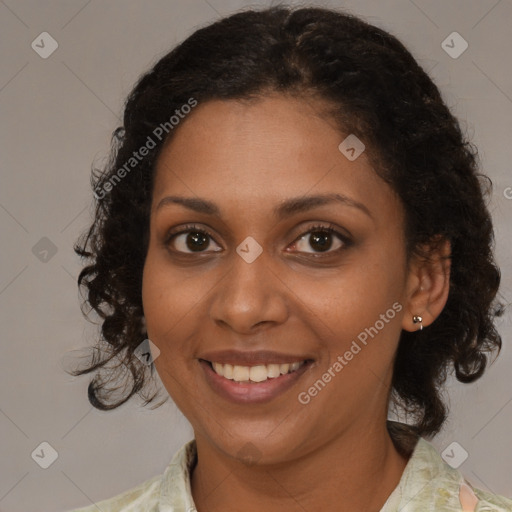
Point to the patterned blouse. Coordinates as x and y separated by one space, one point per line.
428 484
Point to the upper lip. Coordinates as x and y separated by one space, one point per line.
251 358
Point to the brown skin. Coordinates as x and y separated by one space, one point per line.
247 158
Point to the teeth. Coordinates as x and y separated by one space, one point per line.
259 373
273 370
240 373
228 371
219 368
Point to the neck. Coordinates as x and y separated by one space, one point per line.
353 472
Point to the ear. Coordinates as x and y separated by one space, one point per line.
428 285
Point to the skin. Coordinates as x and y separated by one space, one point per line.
247 158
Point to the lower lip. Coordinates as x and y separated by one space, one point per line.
251 392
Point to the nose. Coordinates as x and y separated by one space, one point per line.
250 296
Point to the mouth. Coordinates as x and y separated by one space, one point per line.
253 384
256 373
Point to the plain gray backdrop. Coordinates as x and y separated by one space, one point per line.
58 114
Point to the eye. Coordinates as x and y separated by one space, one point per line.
190 239
320 238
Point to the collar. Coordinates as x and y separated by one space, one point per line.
427 483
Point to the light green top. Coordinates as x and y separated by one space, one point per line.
427 484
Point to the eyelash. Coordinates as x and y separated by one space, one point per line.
313 229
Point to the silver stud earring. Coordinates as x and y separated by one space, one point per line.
417 320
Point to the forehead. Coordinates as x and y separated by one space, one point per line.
264 151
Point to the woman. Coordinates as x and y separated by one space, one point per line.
293 218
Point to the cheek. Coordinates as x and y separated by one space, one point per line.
154 300
166 303
357 293
167 295
172 299
357 311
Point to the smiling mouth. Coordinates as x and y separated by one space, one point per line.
257 373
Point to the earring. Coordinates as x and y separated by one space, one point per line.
418 319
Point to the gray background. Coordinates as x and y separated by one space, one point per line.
57 117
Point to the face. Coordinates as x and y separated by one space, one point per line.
250 271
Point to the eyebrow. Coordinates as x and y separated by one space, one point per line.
285 209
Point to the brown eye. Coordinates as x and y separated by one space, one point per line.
321 239
192 240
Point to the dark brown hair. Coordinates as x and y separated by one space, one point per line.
375 90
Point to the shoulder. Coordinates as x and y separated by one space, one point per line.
143 497
454 491
429 483
492 502
165 490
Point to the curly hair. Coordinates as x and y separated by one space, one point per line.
373 88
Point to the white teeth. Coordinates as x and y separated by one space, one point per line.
240 373
218 368
258 373
273 370
228 371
